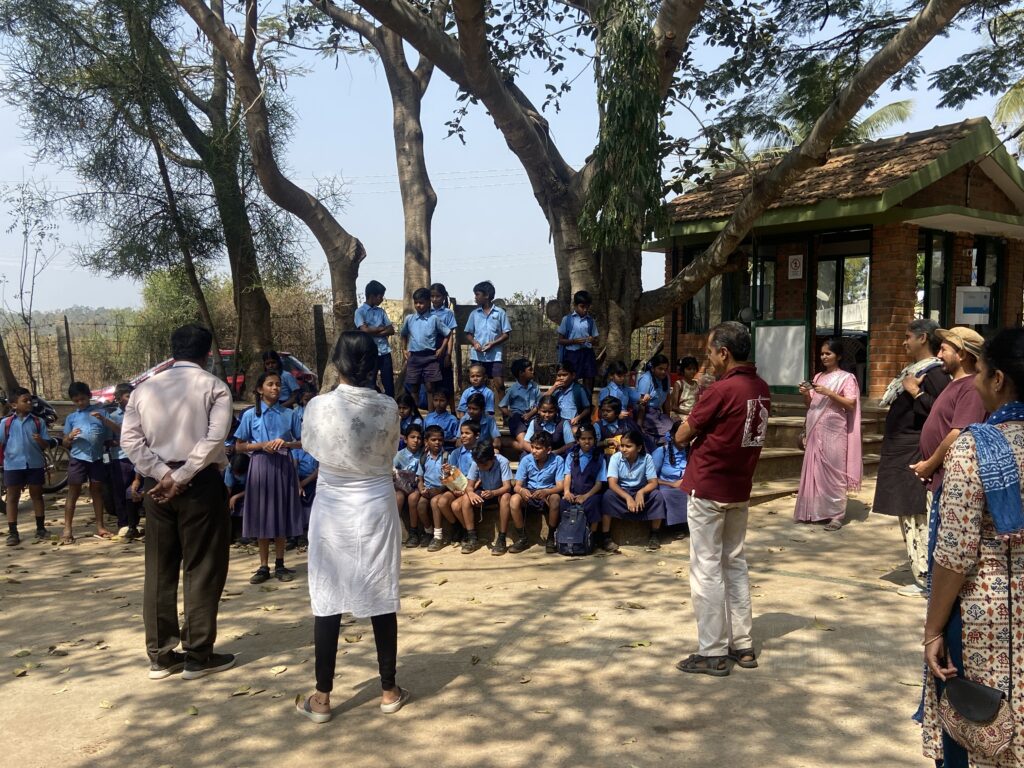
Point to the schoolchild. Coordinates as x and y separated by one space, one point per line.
477 386
122 473
441 504
632 491
440 305
409 415
300 406
430 473
372 319
489 432
24 438
290 388
235 475
490 485
573 401
653 387
85 438
612 425
487 330
422 333
577 336
686 390
405 472
670 463
519 404
547 420
539 480
585 475
443 418
308 469
271 509
620 390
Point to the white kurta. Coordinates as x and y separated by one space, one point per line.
355 537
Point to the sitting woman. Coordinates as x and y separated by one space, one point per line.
978 563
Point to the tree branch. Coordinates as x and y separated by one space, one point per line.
358 24
672 29
812 152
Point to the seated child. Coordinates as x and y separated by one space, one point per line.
408 414
443 418
430 474
612 425
632 491
670 463
489 432
538 487
653 386
477 385
573 400
405 470
441 505
519 404
628 397
558 430
490 484
585 475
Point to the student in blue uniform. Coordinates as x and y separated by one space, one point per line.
632 491
234 480
408 415
441 504
612 425
548 421
24 438
487 330
422 333
617 388
300 406
85 438
670 463
271 508
573 401
520 402
490 485
372 319
585 475
653 388
290 388
489 432
477 386
308 469
443 418
122 473
440 305
431 481
539 481
406 466
577 336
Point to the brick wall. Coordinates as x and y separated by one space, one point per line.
891 304
952 190
1012 295
791 295
960 273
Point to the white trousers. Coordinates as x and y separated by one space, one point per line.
719 582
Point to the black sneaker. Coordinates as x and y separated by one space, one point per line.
217 662
13 539
302 543
413 540
608 545
291 543
653 545
436 545
42 534
133 534
520 545
262 574
550 547
458 534
172 667
470 545
499 547
284 574
426 538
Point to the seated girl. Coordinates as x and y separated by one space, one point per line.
612 425
585 476
632 491
670 463
405 468
547 420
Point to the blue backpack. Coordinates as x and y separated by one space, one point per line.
572 537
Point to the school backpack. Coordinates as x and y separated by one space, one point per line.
7 432
572 537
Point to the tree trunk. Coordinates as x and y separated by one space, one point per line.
7 377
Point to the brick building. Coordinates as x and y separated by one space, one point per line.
884 232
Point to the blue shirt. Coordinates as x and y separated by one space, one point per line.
493 478
88 446
635 476
485 328
408 421
289 384
646 385
429 469
424 332
446 421
305 464
407 461
536 478
447 317
462 458
625 395
21 451
606 429
271 424
575 327
571 401
520 398
234 482
300 412
374 317
667 470
117 416
485 391
585 459
550 427
488 427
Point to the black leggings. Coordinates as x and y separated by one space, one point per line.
325 641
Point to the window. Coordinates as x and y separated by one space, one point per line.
695 311
987 271
933 250
762 297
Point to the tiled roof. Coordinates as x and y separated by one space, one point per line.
856 171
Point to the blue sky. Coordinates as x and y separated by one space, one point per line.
487 224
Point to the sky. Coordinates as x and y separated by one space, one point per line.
487 224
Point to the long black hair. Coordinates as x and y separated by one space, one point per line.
355 357
259 384
439 288
653 363
1005 352
670 445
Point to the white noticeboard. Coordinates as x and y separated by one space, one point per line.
973 305
780 352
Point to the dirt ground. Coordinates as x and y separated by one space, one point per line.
530 660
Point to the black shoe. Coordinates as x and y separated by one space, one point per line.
653 545
413 540
42 534
520 545
426 539
458 534
608 545
174 665
284 574
262 574
246 542
13 539
499 547
436 545
133 534
217 662
290 543
470 545
550 547
302 543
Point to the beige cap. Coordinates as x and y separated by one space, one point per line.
963 339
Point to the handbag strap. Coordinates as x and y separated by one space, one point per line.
1009 611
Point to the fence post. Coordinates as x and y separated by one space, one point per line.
319 341
64 360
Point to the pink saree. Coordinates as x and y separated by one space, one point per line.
832 462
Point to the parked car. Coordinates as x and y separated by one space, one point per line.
235 380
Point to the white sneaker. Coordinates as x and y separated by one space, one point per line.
911 590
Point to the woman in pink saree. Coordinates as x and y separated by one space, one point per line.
832 462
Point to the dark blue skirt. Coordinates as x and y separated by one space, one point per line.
613 505
675 502
272 507
591 508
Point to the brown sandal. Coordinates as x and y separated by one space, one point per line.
716 666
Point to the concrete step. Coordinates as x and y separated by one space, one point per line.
778 463
785 431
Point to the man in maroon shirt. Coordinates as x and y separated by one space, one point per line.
726 430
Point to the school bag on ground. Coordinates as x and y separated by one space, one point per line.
572 537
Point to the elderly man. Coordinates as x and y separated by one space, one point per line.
727 428
173 432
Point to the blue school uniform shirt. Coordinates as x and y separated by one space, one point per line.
429 468
407 461
446 421
408 421
668 470
633 476
374 317
447 318
575 327
646 385
585 459
424 332
485 328
21 451
571 401
289 385
485 391
462 458
550 427
232 481
88 446
625 395
520 398
271 424
305 464
536 478
493 478
117 416
488 427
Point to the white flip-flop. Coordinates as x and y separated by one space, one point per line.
303 707
403 699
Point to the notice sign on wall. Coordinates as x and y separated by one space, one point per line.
796 266
973 305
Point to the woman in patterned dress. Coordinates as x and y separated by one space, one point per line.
967 631
832 462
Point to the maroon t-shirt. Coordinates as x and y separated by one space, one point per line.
958 405
731 421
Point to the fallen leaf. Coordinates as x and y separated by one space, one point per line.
20 672
276 695
106 705
258 691
269 608
474 660
241 691
636 644
838 596
524 679
631 740
22 653
816 624
353 638
13 581
425 603
629 605
58 652
66 669
442 581
268 588
193 710
660 562
588 616
62 690
909 684
543 712
278 669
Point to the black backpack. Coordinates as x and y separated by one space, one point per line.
572 537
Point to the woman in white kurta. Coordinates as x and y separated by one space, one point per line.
355 537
